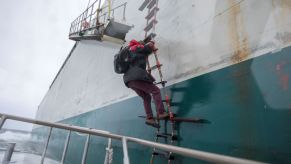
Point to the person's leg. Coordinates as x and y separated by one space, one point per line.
155 91
146 100
147 105
150 88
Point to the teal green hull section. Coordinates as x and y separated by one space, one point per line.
248 106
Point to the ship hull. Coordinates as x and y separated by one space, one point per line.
226 61
247 105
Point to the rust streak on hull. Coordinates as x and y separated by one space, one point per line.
237 34
282 11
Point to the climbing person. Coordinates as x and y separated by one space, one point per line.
139 80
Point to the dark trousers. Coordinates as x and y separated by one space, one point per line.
144 90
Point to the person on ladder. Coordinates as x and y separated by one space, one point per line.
138 79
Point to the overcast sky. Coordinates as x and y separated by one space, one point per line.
33 45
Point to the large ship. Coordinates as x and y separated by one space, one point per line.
227 62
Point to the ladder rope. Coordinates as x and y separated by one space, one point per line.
163 89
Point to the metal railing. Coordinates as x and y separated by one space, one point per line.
8 153
201 155
95 16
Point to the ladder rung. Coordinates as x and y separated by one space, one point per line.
155 67
175 104
152 3
171 157
166 135
165 118
152 13
144 4
192 120
150 25
181 89
161 82
168 100
160 153
164 155
149 37
174 137
162 135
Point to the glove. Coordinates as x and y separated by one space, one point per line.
152 46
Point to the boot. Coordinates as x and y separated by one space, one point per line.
152 122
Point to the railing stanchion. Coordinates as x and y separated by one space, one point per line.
124 12
46 145
125 151
8 153
80 21
90 24
86 149
2 121
98 11
66 147
109 152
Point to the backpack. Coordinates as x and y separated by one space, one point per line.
122 60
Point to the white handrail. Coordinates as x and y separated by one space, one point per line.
205 156
125 151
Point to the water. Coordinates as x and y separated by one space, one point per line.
27 150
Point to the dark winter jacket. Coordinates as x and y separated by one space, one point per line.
137 70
